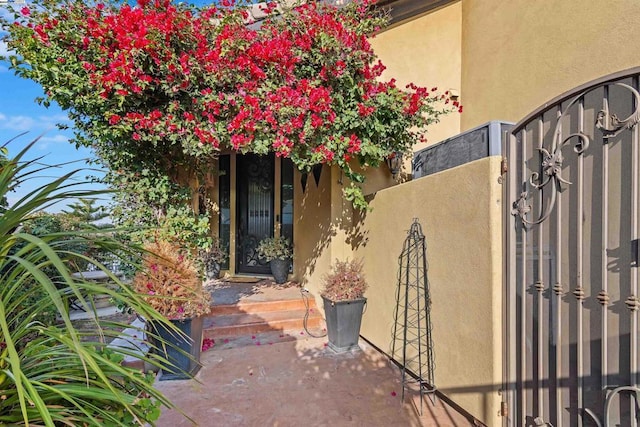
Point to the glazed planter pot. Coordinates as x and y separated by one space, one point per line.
343 323
280 269
184 352
212 271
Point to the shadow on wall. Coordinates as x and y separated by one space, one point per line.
319 223
315 230
357 235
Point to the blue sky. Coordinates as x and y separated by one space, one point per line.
20 113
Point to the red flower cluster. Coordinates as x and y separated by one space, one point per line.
207 343
305 85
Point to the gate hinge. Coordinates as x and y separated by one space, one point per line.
504 166
504 409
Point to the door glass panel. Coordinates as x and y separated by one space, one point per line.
286 202
255 210
224 197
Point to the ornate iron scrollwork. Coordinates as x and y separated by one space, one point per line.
608 401
259 172
610 125
551 166
520 206
552 159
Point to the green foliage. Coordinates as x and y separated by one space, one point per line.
43 223
151 206
3 162
54 374
275 248
354 194
84 211
165 87
214 254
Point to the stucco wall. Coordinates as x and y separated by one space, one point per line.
518 54
427 52
323 228
506 58
313 229
459 210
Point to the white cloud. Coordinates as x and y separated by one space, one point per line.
54 139
4 50
27 123
18 123
52 120
45 142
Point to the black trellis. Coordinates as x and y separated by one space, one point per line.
413 328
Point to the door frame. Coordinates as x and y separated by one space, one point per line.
234 205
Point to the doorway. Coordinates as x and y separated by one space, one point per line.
255 214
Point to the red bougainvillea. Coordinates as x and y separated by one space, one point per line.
167 86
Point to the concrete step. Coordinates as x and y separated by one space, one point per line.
241 324
134 340
266 338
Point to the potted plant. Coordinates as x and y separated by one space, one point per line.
344 302
212 258
277 251
170 283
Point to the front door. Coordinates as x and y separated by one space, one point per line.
255 210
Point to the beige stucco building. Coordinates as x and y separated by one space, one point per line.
504 59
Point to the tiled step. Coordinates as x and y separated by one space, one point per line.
239 324
261 307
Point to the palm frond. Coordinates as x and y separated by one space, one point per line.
49 373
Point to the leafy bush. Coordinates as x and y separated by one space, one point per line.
166 87
275 248
345 281
150 206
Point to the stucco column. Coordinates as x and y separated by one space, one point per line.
341 217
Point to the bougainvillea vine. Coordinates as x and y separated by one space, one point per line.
166 86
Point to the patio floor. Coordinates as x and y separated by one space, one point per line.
288 378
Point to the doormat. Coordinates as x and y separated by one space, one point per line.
244 279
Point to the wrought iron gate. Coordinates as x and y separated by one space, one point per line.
571 251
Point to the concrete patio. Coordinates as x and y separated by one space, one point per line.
288 378
295 383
